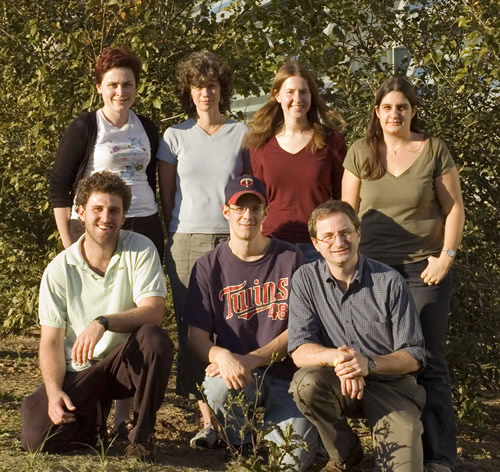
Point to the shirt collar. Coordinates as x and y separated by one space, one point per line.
75 257
328 277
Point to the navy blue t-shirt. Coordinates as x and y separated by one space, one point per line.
243 305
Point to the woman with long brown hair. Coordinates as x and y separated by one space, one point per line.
406 188
297 150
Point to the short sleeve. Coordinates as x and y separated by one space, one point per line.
52 306
444 161
199 311
167 150
355 158
149 280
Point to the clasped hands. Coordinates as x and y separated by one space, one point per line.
235 369
351 368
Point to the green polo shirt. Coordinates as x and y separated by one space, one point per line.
72 294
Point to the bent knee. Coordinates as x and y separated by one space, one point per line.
154 339
309 382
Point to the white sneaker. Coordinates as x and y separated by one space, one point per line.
207 438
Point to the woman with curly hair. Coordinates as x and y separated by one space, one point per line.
407 190
297 150
197 159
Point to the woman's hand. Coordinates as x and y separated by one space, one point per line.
437 268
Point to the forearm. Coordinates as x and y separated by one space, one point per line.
399 362
453 228
314 354
263 355
167 180
62 216
52 365
126 322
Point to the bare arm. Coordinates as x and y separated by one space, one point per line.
167 176
449 195
53 369
148 311
235 369
314 354
351 186
62 216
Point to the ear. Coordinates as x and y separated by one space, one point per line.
277 97
315 244
414 111
376 111
81 213
99 88
225 211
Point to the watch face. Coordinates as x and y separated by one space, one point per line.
451 253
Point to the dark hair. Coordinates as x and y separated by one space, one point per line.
373 168
328 208
269 119
117 57
103 182
197 70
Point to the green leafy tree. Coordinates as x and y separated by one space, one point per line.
47 53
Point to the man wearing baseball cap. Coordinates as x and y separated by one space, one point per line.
237 310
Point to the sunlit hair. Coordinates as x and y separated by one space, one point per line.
269 119
117 57
103 182
373 167
330 207
197 70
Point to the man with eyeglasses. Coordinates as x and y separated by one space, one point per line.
237 310
355 335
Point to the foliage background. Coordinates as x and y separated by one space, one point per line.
47 53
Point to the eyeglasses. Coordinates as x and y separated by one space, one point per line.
331 238
240 210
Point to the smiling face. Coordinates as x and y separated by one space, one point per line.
395 113
206 97
337 240
103 217
118 90
246 217
295 98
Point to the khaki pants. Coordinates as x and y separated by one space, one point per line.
392 409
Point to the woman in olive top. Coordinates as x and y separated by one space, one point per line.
407 191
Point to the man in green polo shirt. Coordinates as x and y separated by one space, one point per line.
101 306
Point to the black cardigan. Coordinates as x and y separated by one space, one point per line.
74 152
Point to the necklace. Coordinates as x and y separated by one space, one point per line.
402 146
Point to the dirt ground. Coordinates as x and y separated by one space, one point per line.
178 420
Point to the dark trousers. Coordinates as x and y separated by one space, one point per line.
139 368
438 417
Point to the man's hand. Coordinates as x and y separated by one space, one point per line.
61 408
83 349
351 371
234 369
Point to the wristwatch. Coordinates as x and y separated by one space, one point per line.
450 252
102 320
372 366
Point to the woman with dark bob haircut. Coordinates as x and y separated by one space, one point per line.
197 159
297 150
115 139
407 190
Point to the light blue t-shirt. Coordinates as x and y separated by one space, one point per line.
205 165
72 295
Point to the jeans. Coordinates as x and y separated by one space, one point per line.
280 409
183 250
438 417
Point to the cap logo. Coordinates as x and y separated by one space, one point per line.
246 182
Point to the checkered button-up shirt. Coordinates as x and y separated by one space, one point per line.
375 316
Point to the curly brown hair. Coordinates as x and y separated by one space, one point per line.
117 57
269 119
197 70
103 182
